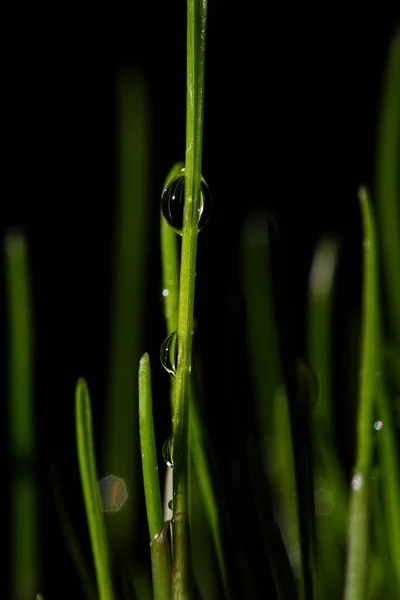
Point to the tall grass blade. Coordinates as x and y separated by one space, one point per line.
329 485
201 472
87 467
266 372
388 187
389 480
24 519
359 510
121 456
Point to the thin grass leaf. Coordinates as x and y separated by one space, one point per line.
24 519
160 554
170 264
266 370
359 511
121 456
72 543
329 485
182 583
87 467
390 479
388 186
169 253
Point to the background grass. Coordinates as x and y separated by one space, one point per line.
226 389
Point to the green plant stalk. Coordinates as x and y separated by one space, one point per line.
24 567
160 555
87 467
359 510
72 543
330 528
161 564
388 186
169 255
390 479
121 450
169 263
182 584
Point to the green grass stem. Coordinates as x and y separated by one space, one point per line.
359 510
24 564
182 584
388 187
87 467
121 451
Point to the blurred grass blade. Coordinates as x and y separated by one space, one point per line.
202 473
266 373
359 511
388 187
87 467
72 542
284 581
24 519
160 552
121 456
329 485
390 478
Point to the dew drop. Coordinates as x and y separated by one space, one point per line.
173 200
171 505
169 353
307 383
378 425
167 452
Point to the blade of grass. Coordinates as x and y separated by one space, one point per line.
24 563
72 542
182 582
87 467
359 510
264 363
390 479
121 455
160 555
388 186
328 477
169 253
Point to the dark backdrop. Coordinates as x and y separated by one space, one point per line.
290 123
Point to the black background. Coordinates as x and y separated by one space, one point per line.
291 108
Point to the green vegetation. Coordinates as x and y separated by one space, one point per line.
320 533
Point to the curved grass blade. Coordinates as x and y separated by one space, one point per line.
388 186
24 557
266 370
329 485
160 554
121 455
359 510
87 467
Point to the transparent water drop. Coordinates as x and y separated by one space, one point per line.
378 425
307 383
173 200
171 505
169 353
168 452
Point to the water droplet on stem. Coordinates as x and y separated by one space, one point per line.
173 202
167 452
169 353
